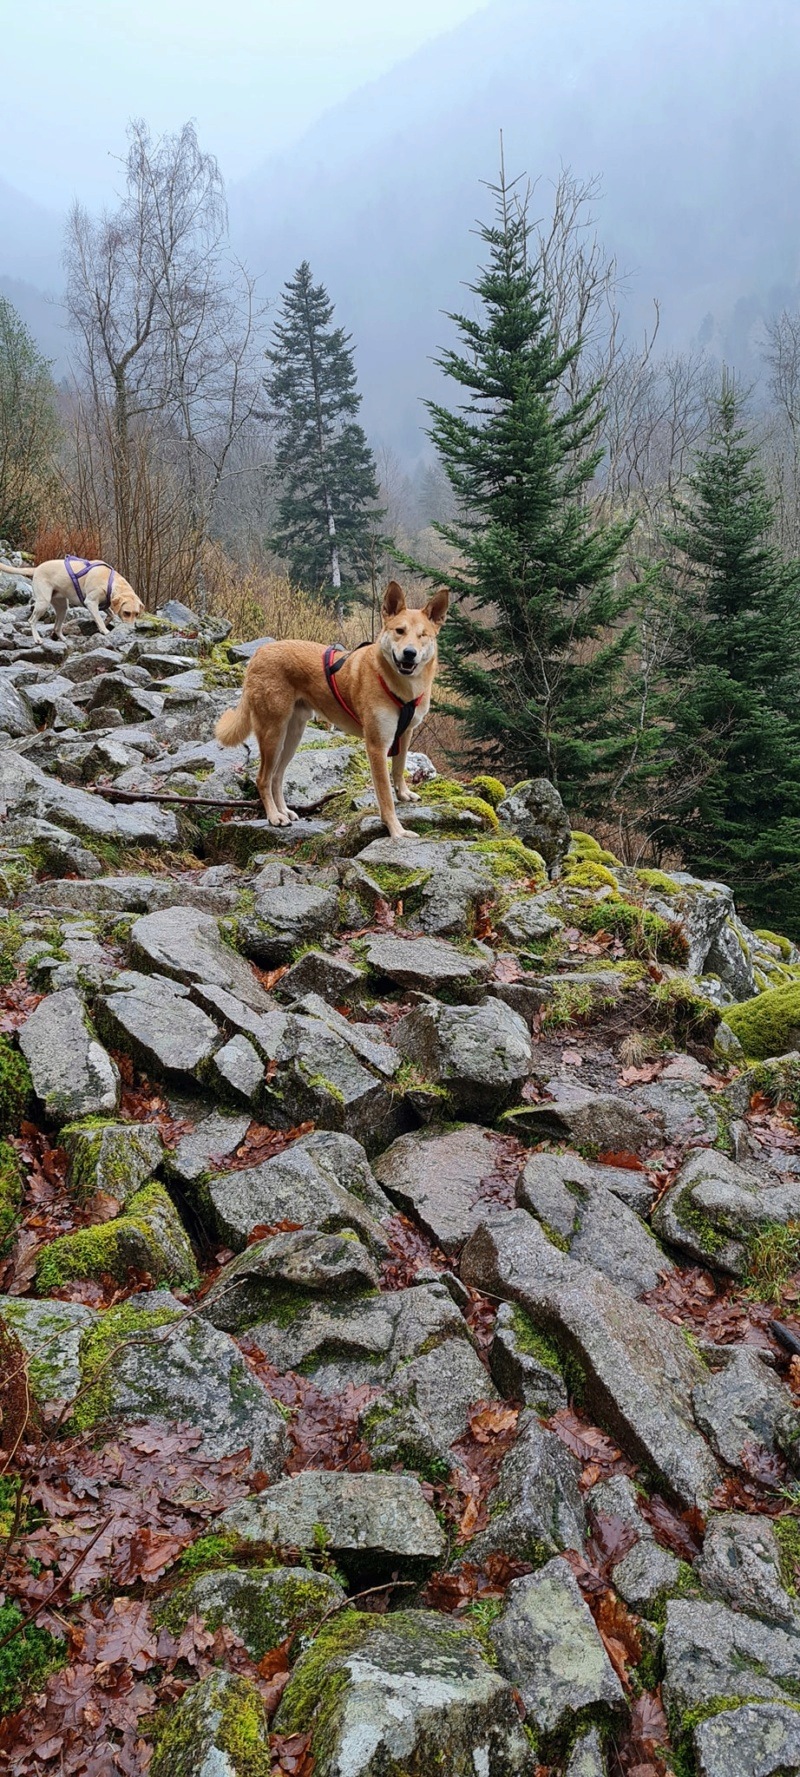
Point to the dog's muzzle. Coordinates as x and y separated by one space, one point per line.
407 662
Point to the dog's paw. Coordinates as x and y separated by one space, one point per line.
293 814
404 833
406 795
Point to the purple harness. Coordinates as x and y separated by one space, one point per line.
76 576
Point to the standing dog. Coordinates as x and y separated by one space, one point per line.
75 581
381 691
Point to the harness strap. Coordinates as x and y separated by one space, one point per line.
331 666
85 567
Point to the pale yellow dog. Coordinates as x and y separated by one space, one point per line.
382 690
75 581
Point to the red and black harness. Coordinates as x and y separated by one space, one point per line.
78 572
406 716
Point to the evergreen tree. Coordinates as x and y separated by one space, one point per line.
329 488
29 429
534 642
736 712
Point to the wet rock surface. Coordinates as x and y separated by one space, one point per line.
369 1221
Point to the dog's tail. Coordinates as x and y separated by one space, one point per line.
234 726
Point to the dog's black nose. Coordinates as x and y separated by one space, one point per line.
409 656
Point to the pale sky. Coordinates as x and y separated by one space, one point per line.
253 73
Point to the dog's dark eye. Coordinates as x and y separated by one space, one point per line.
400 632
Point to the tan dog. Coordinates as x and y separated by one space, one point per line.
381 691
93 584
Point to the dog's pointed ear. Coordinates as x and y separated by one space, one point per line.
394 600
436 608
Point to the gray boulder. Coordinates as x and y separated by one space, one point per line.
740 1563
408 1692
262 1608
177 1369
50 1334
436 1175
712 1654
153 1019
549 1648
366 1522
287 912
322 1181
582 1217
522 1365
529 921
580 1115
714 1204
479 1055
744 1405
315 773
305 1262
536 1509
534 811
185 944
587 1758
646 1571
755 1740
205 1146
16 718
319 1078
426 963
149 1238
237 1071
117 1158
638 1373
333 977
73 1076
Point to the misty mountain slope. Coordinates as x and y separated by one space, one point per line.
689 115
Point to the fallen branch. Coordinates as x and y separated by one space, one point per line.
113 795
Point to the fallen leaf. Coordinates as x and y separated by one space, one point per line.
492 1421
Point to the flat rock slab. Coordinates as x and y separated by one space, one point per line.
182 1370
435 1176
50 1333
407 1692
638 1372
203 1149
426 963
152 1018
711 1653
322 1181
741 1564
575 1208
714 1202
371 1339
548 1646
581 1116
479 1055
368 1520
321 1079
186 944
73 1076
757 1739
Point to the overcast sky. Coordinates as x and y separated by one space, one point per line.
253 73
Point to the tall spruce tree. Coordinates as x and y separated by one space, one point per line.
736 712
326 470
535 641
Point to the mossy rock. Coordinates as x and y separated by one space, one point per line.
644 933
443 789
511 861
16 1088
589 875
784 945
262 1606
583 846
219 1726
10 944
658 882
149 1237
489 789
118 1158
769 1025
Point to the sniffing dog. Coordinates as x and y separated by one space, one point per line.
75 581
382 690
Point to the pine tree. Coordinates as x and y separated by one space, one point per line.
736 712
534 643
329 488
29 429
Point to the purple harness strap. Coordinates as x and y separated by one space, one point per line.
83 569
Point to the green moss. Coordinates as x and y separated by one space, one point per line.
696 1222
242 1732
682 1010
658 880
489 789
533 1343
311 1700
583 846
511 861
395 879
589 875
443 789
210 1552
11 1192
26 1661
118 1326
768 1025
481 1614
107 1249
10 940
646 934
784 945
787 1536
16 1088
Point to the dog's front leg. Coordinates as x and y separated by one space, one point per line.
379 766
401 788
